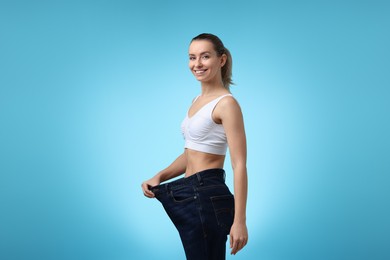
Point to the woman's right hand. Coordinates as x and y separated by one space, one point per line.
150 183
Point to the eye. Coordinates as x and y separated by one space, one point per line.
192 58
205 57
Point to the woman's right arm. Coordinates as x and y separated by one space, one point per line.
175 169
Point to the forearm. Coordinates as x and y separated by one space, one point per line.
240 193
176 168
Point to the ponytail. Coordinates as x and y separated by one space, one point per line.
226 70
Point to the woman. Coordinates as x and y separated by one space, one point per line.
200 204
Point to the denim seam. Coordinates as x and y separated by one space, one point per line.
200 210
220 210
212 187
181 201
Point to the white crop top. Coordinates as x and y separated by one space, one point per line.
201 133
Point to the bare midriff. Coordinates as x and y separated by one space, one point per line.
199 161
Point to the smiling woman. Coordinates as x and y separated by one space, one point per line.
204 50
200 204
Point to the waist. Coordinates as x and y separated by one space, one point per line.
199 161
194 179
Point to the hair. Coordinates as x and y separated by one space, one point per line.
226 70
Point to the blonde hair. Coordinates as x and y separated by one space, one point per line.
226 70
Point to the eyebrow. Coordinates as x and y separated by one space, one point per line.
205 52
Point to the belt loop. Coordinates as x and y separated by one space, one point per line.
168 187
224 176
199 179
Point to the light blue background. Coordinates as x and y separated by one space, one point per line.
93 92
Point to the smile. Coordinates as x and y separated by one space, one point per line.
200 71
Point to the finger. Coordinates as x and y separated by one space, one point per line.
238 245
231 241
148 193
246 242
234 247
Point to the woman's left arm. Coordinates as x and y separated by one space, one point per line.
229 112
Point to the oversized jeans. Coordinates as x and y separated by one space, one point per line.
202 209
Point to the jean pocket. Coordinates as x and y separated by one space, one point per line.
182 195
224 211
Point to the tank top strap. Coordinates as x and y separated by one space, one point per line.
215 102
221 97
193 101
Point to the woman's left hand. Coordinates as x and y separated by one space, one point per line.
238 237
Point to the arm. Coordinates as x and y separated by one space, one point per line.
231 117
173 170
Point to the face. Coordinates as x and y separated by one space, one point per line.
204 61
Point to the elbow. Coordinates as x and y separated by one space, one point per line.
239 166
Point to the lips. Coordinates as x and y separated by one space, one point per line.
199 72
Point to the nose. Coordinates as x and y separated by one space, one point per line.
198 63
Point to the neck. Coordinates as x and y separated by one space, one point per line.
213 88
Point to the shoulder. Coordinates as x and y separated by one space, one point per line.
228 102
227 107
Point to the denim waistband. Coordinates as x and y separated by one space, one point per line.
195 179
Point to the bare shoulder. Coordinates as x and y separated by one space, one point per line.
228 103
227 107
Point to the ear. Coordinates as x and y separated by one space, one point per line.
223 60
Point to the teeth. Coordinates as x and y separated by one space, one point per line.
199 71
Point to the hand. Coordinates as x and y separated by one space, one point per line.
238 237
150 183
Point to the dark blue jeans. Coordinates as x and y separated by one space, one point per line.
202 209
